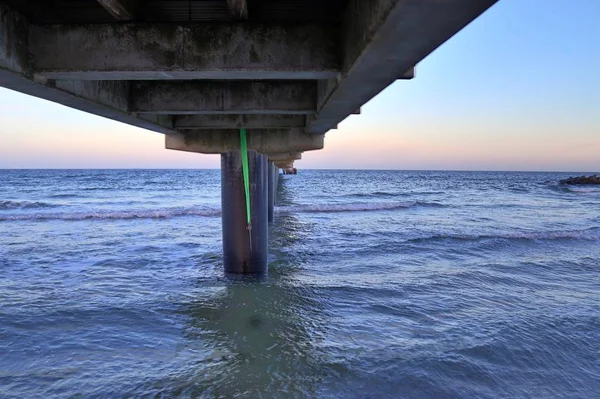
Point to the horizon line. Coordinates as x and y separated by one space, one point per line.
330 169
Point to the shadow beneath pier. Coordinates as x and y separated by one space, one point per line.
288 235
252 338
282 193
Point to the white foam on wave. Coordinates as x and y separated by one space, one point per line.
355 207
584 190
590 234
586 234
104 215
179 212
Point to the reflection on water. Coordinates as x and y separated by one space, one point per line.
259 337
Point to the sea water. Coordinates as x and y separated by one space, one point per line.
381 284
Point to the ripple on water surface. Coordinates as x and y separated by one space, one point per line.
437 285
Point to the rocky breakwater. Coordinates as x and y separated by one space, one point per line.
593 179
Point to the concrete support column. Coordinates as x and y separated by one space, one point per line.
276 182
272 186
244 252
276 188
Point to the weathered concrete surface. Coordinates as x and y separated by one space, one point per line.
271 195
112 93
33 9
162 120
238 8
14 30
104 98
382 39
285 157
244 252
265 141
229 97
91 97
232 121
284 165
408 75
122 10
192 51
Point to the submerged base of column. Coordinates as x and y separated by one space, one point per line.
244 251
272 182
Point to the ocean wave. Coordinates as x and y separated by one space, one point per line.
357 207
584 190
106 215
62 196
4 205
590 234
375 194
98 188
180 212
561 188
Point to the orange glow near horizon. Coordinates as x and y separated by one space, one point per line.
442 144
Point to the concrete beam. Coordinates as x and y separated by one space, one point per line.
285 165
33 9
238 9
122 10
186 122
14 30
190 51
223 97
266 141
285 157
103 98
381 40
408 75
108 99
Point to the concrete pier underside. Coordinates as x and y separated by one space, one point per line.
286 71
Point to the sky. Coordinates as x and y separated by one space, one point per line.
517 89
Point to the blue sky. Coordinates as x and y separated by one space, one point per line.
517 89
